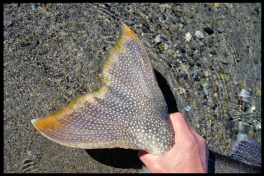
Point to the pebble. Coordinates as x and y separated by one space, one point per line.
197 125
255 60
258 126
245 95
181 25
170 51
195 57
166 27
130 22
229 133
225 77
209 63
41 41
59 80
251 133
161 47
206 92
187 46
212 52
258 91
178 14
35 5
215 106
257 5
158 39
81 55
190 61
188 36
174 20
217 5
240 126
184 76
201 44
208 30
191 15
24 43
190 53
230 124
144 22
207 74
156 25
162 8
7 20
247 49
198 105
168 5
201 87
177 9
199 34
78 67
202 75
166 46
194 73
131 11
241 85
187 108
221 70
196 78
248 19
222 58
175 62
210 40
181 49
181 32
170 60
182 20
215 94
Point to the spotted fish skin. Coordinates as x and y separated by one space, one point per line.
128 111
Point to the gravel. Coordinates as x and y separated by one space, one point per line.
43 72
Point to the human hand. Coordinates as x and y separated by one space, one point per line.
189 154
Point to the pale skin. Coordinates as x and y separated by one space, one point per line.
188 155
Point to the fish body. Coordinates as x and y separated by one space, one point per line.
218 163
245 157
128 111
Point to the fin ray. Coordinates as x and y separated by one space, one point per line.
122 112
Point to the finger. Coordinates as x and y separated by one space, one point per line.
179 124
